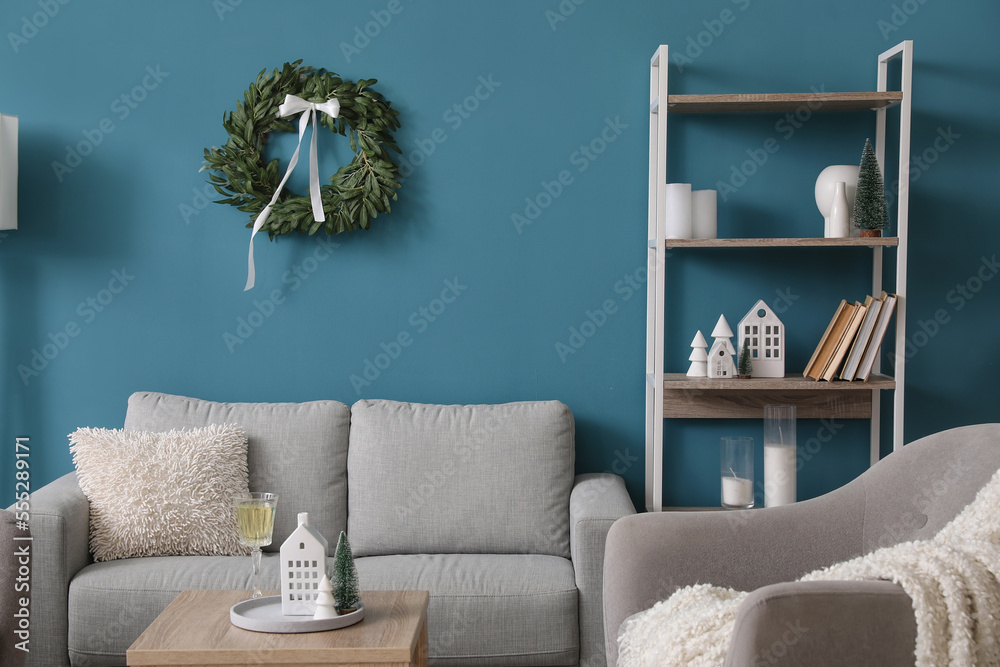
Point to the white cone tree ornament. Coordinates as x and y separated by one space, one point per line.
720 358
699 357
326 607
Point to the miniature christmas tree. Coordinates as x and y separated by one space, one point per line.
325 604
745 368
345 577
870 209
699 357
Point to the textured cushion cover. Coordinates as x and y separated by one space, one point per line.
161 494
297 450
438 478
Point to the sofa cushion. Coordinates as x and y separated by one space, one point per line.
297 450
437 478
162 494
484 610
488 609
111 603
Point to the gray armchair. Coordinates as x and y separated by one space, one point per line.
909 495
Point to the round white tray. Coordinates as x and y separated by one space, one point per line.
264 615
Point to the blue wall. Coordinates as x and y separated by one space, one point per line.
123 250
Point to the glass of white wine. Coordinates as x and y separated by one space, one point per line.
255 522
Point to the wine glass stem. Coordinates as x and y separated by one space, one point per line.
255 561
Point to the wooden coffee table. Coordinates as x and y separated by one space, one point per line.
195 630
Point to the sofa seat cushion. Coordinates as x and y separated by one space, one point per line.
488 609
111 603
484 610
434 478
297 450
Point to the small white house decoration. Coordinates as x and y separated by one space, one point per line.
767 340
720 357
303 566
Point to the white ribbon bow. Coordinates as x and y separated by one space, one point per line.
296 105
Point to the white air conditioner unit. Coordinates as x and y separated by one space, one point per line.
8 172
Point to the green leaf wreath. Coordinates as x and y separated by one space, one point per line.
357 193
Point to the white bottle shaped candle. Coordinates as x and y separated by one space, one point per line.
840 214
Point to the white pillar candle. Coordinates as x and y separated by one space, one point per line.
678 211
779 474
704 214
737 492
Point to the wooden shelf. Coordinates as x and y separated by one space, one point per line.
782 243
777 102
674 395
788 383
704 398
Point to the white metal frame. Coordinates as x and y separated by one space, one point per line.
655 292
656 259
902 50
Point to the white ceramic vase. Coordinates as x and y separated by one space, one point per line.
840 216
826 184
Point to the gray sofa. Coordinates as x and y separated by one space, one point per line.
15 598
909 495
477 504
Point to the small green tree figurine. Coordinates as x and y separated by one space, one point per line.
745 367
345 577
871 213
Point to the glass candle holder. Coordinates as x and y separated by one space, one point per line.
779 455
737 472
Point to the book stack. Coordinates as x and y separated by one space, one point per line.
850 344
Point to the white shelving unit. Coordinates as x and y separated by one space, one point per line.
673 395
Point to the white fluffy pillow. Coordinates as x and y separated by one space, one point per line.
162 494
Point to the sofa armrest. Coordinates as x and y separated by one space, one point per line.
15 573
60 530
649 556
825 623
596 502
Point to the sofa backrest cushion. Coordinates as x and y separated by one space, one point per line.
297 450
460 478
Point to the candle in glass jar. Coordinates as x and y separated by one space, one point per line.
737 492
779 455
779 474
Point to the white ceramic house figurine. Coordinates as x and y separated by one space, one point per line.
699 357
303 565
767 341
720 357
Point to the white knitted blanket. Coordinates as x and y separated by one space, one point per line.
953 580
